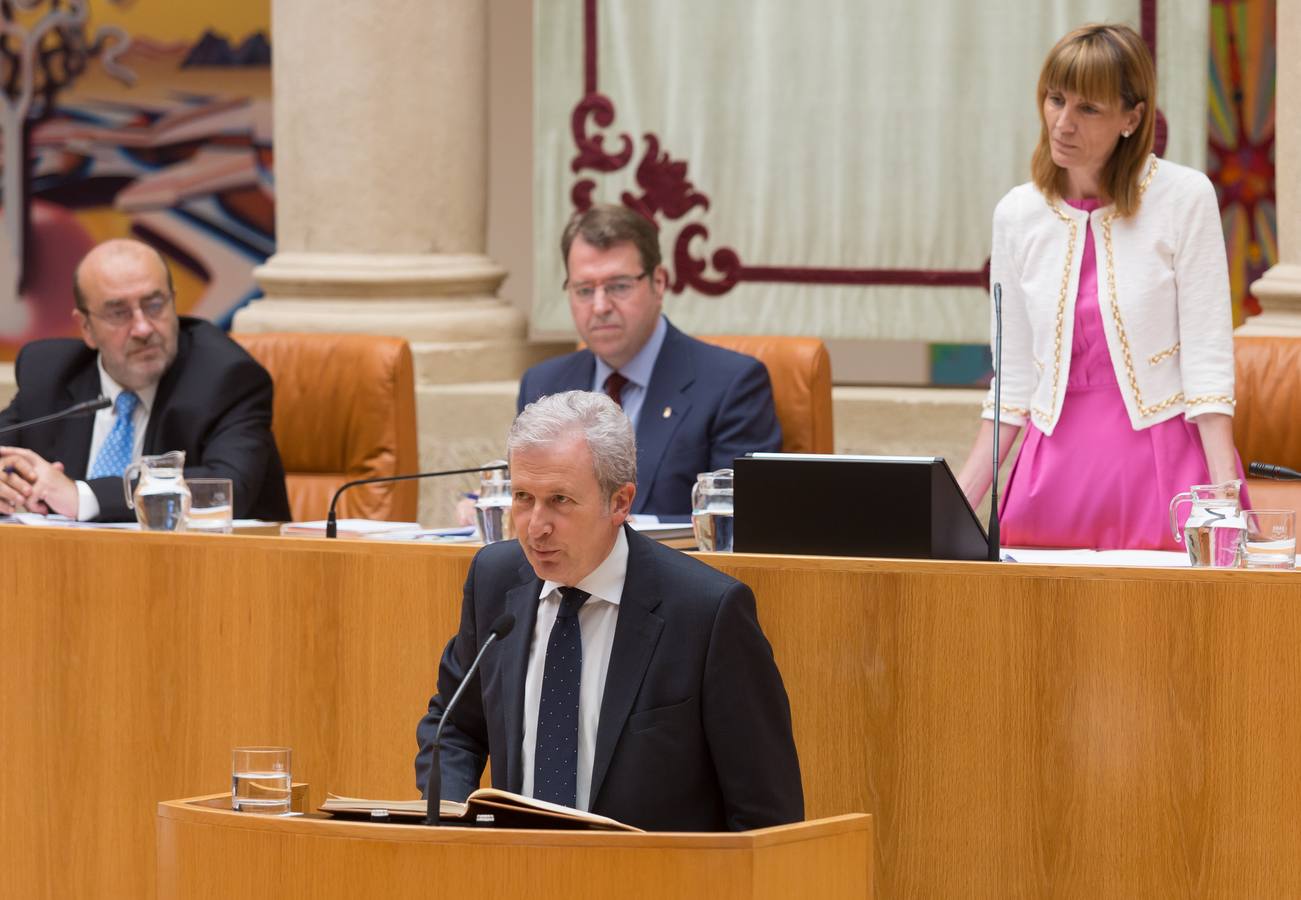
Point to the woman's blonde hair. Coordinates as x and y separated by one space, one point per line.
1105 64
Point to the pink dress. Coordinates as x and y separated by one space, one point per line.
1096 482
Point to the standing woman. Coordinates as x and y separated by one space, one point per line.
1117 321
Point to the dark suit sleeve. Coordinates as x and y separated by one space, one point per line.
746 420
9 416
747 720
13 414
239 445
464 751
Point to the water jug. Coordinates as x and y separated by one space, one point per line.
161 499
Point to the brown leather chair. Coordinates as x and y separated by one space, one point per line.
1267 418
800 369
345 408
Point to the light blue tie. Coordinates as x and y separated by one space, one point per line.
115 455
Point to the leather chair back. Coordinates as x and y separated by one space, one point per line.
800 370
1267 418
345 408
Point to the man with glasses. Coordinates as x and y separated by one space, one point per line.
695 407
176 383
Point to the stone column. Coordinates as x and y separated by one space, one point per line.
380 141
1279 289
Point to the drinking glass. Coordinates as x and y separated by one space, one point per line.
260 780
1270 539
212 505
492 510
711 511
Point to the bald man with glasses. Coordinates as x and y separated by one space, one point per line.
695 407
175 382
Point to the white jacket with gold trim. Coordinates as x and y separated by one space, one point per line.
1163 290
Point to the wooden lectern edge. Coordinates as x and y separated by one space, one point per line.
215 808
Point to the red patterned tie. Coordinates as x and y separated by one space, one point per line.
614 387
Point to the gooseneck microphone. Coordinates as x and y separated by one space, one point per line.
84 408
998 409
332 523
434 787
1269 470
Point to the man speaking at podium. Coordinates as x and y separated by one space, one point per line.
636 682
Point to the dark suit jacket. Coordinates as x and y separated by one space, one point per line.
695 729
721 408
214 402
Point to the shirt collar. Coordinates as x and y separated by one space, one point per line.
110 388
639 368
605 582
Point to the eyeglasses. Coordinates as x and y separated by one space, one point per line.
617 289
154 308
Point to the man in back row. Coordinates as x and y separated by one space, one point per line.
695 407
176 383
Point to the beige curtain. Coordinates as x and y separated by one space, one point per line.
819 137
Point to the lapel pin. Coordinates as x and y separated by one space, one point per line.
668 411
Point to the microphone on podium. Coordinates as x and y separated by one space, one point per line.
992 531
332 523
84 408
1269 470
433 788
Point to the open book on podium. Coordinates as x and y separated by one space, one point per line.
485 807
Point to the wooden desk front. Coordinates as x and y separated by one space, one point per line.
1017 731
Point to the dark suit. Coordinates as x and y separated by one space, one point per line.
694 731
720 405
213 402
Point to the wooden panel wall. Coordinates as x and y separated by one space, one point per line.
1018 731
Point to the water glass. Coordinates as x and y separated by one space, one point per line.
212 505
260 780
1270 538
712 511
492 510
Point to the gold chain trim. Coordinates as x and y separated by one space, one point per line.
1212 398
1156 358
1061 306
1121 335
1003 407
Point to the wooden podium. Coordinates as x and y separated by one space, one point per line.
206 850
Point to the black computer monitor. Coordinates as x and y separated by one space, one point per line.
905 507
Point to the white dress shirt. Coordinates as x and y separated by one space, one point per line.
638 371
596 620
87 502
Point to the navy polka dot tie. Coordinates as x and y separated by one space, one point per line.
115 454
555 756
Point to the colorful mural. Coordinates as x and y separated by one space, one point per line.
1241 136
148 118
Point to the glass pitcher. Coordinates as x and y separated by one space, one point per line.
1214 529
161 499
492 509
711 510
